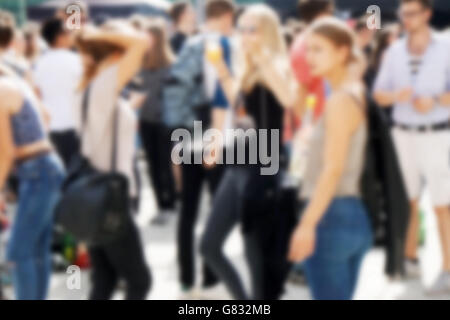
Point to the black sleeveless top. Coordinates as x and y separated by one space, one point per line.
267 113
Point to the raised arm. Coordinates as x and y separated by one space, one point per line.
134 44
343 117
281 81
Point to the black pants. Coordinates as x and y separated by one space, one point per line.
193 178
226 213
123 259
67 145
157 145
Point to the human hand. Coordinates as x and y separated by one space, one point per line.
303 243
404 95
212 155
423 104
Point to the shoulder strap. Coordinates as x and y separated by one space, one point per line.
115 140
85 108
359 102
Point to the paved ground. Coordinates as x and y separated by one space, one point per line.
160 251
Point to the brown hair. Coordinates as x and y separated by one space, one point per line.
218 8
7 26
381 43
160 55
98 51
177 10
427 4
309 10
338 33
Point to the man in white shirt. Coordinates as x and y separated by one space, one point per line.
415 78
56 76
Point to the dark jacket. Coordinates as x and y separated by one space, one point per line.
384 192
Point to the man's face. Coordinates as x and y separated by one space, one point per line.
226 22
414 16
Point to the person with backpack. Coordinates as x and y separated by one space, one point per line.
111 59
192 93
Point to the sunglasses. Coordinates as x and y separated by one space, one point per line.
247 30
409 14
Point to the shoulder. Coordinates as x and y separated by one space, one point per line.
443 39
12 98
396 47
346 104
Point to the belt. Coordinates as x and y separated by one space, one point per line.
424 128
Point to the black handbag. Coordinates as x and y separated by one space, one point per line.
94 206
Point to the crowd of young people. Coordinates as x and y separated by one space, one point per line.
311 84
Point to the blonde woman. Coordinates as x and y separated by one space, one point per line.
267 87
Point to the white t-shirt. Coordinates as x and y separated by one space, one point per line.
57 75
97 136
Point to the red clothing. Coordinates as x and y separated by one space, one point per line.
314 85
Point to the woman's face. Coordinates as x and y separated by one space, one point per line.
251 37
322 55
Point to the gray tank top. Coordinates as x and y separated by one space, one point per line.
349 184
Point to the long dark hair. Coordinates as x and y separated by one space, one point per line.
160 55
98 51
381 43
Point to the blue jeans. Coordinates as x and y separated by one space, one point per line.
40 179
343 237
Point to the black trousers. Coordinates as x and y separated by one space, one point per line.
123 259
193 178
67 145
157 145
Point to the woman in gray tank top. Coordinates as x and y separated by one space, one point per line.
334 232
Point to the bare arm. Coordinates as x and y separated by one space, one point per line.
281 82
135 46
11 101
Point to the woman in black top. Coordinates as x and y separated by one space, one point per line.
246 191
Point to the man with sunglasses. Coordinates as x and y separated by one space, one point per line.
415 78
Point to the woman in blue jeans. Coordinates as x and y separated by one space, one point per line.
24 145
334 232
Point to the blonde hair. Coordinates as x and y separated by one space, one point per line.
269 26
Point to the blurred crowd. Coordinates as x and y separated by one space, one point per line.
358 121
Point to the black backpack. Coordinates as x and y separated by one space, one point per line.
94 206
